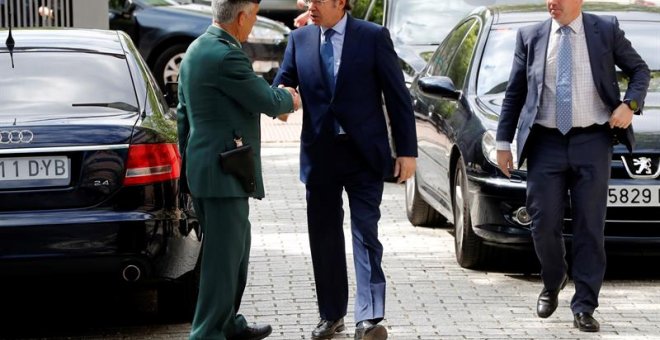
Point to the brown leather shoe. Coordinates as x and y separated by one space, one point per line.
585 322
548 300
326 329
367 330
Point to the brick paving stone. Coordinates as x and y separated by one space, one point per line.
429 296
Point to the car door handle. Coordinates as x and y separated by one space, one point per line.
431 109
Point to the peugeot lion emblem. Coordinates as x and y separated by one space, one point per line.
647 166
643 164
16 136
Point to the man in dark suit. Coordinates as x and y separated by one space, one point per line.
563 101
344 67
221 99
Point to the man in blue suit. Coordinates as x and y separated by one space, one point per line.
344 68
563 100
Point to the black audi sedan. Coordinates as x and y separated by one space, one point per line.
163 29
89 167
457 99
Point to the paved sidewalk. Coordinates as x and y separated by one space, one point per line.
428 295
276 132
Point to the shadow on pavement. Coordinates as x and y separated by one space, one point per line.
41 308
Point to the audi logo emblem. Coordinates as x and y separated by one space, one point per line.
16 136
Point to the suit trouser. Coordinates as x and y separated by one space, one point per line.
225 256
577 163
325 217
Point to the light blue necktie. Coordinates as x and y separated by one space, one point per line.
564 79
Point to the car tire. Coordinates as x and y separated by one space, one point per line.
177 300
470 250
166 67
419 212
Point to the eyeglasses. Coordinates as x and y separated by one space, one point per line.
315 2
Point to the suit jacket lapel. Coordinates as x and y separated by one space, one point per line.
541 53
312 56
349 49
594 47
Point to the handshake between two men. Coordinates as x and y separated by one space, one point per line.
296 102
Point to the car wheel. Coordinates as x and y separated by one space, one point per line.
470 250
166 67
419 212
177 300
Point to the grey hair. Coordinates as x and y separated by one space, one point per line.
226 11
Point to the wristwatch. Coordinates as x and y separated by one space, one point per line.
632 104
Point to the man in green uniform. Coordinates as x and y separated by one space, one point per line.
220 101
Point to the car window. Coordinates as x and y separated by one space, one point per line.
497 59
460 63
48 76
440 60
426 22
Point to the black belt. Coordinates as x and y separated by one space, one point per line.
574 130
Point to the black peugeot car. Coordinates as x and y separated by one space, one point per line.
457 99
163 29
89 167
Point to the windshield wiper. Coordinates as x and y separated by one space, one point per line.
115 105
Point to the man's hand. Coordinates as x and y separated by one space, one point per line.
621 117
294 95
283 117
404 168
505 161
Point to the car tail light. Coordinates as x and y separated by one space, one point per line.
151 163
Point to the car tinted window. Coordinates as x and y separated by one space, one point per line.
440 60
52 81
498 55
458 68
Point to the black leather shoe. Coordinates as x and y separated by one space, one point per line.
326 329
254 332
585 322
367 330
548 300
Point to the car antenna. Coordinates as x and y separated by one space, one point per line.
10 42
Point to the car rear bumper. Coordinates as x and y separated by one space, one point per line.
160 246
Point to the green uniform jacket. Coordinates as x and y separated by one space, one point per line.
219 94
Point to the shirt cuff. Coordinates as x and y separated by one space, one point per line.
503 146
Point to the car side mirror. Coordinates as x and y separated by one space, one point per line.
129 7
438 86
172 94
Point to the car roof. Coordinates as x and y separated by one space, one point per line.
534 13
88 40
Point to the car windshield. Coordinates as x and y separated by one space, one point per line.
498 55
424 22
43 82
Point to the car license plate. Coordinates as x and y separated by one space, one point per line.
34 171
633 196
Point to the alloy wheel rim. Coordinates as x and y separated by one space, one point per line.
460 212
410 193
171 71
